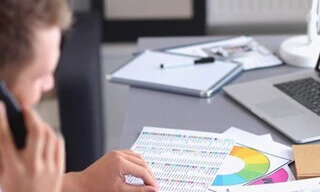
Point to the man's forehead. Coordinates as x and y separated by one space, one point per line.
46 50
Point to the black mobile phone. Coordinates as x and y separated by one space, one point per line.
14 115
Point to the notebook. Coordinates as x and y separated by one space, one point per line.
307 160
197 80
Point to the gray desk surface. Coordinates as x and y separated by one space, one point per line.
216 114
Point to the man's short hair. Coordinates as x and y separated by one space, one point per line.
18 21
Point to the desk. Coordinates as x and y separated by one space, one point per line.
216 114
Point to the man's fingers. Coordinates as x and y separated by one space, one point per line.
50 145
36 134
131 153
141 172
138 159
131 188
1 165
60 154
7 146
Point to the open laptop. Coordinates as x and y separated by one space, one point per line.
290 103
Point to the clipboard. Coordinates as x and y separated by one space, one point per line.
196 80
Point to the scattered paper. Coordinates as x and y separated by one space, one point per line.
253 160
182 160
196 161
305 185
243 49
254 141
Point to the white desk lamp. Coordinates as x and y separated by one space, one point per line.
303 51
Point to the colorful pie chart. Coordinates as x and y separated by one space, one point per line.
256 164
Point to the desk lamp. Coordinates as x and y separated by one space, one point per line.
303 50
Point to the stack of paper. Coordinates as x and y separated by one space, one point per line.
196 161
305 185
182 160
254 160
243 49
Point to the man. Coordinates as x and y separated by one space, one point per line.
30 35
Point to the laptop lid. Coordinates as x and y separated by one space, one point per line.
318 65
282 112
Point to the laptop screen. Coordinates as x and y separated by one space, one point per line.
318 64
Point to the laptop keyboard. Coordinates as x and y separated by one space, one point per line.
305 91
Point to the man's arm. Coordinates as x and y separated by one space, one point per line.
72 182
108 174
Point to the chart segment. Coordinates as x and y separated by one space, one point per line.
256 165
279 176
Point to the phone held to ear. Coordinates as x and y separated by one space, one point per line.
15 116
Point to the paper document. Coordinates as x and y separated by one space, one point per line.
182 160
305 185
254 141
253 161
243 49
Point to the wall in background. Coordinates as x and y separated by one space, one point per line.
229 12
257 16
141 9
236 16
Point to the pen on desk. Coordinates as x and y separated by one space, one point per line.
206 60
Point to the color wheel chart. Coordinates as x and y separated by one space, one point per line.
249 164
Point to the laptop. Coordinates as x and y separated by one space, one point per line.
290 103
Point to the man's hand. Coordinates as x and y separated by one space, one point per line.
39 166
108 174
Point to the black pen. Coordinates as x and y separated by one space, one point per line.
205 60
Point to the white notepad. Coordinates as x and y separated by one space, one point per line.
197 80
